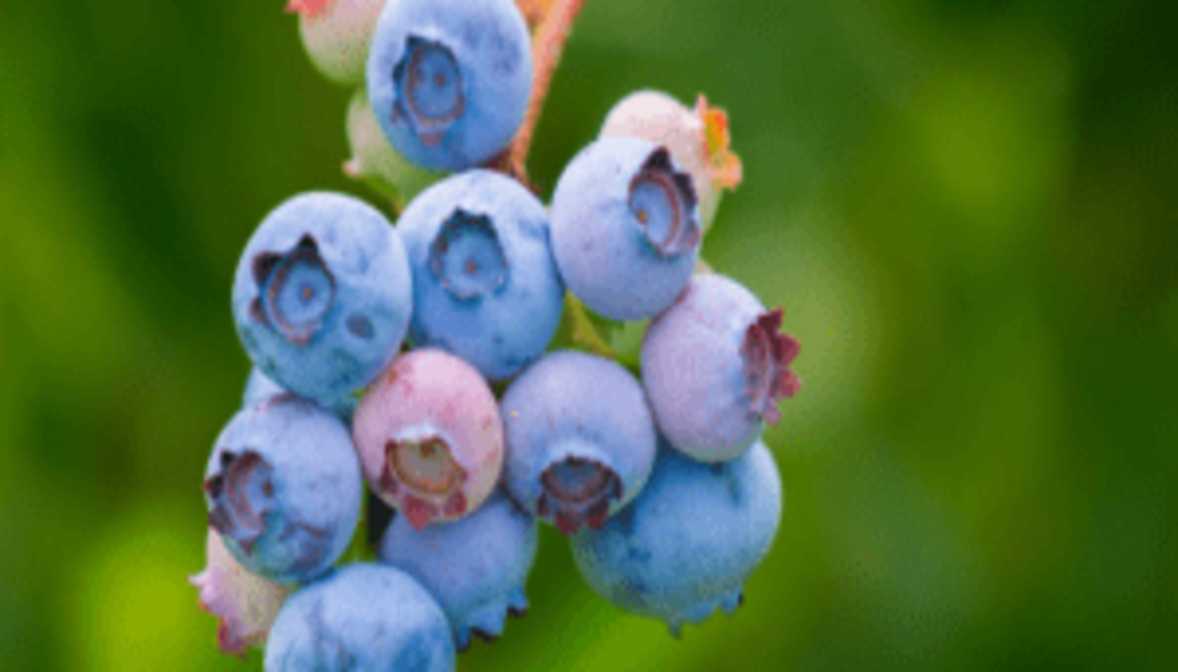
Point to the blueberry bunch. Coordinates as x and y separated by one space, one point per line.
470 367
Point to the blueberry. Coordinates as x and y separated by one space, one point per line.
450 79
376 162
365 617
336 34
476 567
244 603
430 438
625 231
259 387
283 489
685 547
698 140
485 285
715 366
580 439
322 296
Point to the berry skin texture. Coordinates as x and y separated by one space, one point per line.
363 617
476 567
698 140
283 489
580 439
429 437
244 603
323 295
259 388
715 366
450 79
336 35
685 547
375 162
485 285
625 229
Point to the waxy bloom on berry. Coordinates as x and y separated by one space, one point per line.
283 489
685 547
580 439
323 295
475 567
715 366
450 79
625 228
485 285
363 617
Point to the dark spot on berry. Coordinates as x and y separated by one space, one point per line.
360 326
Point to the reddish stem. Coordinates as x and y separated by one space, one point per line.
547 48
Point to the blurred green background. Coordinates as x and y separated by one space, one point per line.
966 208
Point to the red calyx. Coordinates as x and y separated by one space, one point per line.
768 354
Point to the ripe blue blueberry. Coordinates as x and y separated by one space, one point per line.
698 139
259 387
364 617
475 567
283 488
485 285
685 547
625 231
449 80
580 439
715 366
323 295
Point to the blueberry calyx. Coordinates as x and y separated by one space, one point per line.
767 355
664 204
429 89
295 291
240 493
467 257
578 492
425 466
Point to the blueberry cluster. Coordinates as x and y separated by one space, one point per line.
465 366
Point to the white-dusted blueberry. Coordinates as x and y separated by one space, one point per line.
625 228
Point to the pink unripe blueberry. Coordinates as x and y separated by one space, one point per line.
336 34
430 437
244 603
698 139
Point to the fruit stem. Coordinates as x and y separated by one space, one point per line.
547 48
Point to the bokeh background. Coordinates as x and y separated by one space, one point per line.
966 207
